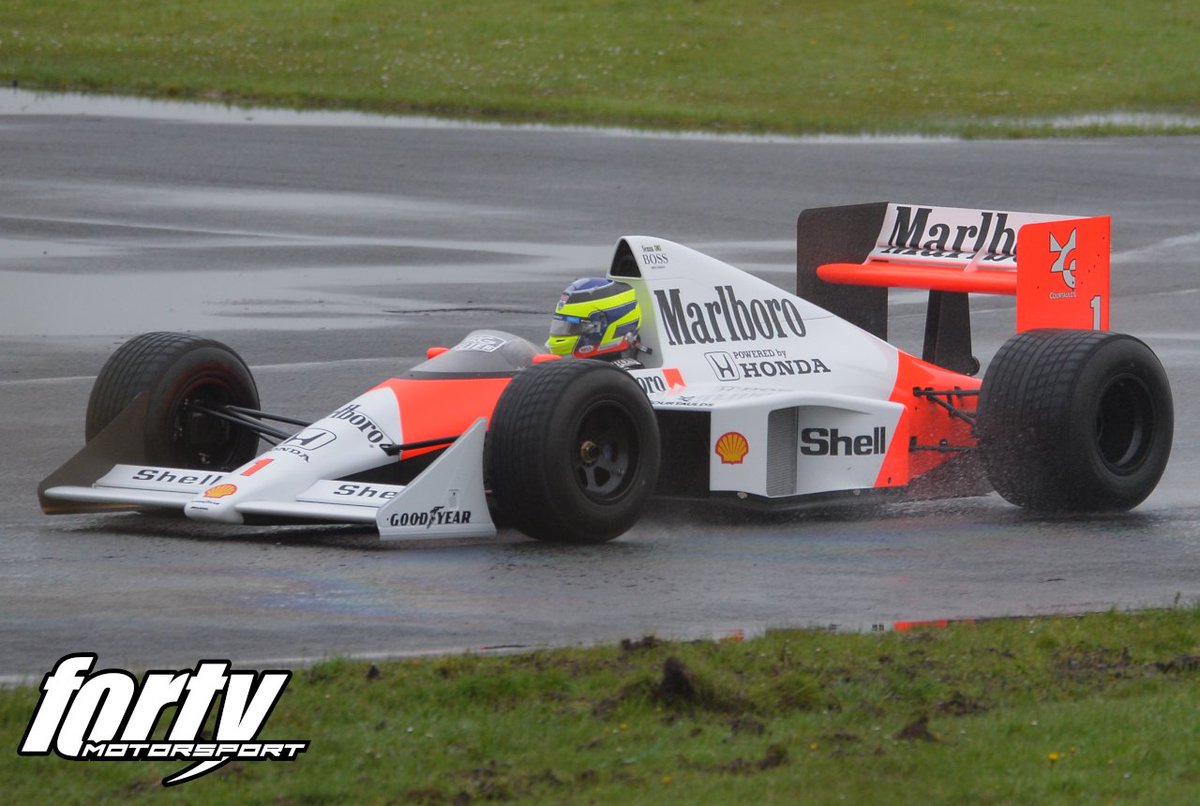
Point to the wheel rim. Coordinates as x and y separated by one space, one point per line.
604 452
201 439
1125 424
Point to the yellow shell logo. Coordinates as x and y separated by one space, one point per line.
220 491
732 448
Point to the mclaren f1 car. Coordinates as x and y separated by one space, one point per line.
742 392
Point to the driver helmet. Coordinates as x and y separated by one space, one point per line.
595 317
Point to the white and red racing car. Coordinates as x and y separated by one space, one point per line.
747 393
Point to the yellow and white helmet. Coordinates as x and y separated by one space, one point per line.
595 317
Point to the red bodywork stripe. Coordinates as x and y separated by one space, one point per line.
433 408
928 422
936 278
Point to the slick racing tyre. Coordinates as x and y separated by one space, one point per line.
573 452
180 373
1075 420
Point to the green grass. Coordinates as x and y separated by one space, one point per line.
933 66
1095 709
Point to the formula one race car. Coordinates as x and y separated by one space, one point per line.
740 392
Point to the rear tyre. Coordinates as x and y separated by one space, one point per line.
1075 420
180 373
573 452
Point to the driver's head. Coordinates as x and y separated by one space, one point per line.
595 317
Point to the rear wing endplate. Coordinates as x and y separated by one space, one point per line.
1056 266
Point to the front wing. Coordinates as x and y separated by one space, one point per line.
446 500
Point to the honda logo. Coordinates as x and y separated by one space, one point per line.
723 366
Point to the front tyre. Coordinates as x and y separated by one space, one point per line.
1075 420
574 452
184 375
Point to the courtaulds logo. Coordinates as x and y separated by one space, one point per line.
1060 263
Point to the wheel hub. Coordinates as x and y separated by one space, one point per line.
606 454
589 452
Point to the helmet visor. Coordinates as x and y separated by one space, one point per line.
572 326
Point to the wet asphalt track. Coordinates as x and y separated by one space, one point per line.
330 251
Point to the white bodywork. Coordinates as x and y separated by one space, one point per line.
761 360
779 377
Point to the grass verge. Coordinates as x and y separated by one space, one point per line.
951 66
1094 709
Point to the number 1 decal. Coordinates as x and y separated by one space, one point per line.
1096 303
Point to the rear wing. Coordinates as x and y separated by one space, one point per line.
1056 266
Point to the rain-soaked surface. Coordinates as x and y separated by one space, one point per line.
332 255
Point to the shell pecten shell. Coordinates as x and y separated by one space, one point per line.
732 447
